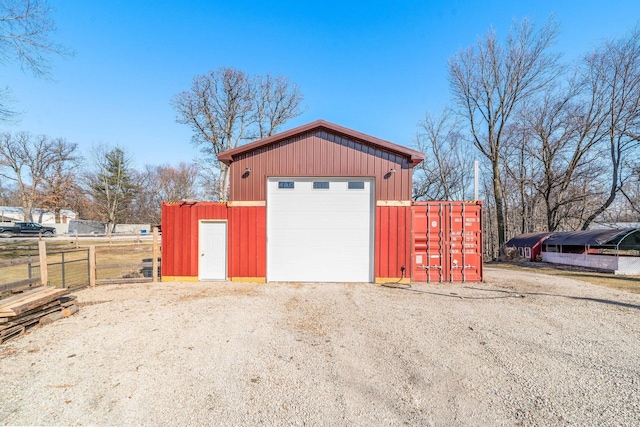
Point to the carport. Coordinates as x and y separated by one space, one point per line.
615 250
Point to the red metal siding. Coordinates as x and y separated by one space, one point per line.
436 241
180 235
247 241
446 242
320 153
536 251
392 251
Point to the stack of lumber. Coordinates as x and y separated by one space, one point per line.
38 306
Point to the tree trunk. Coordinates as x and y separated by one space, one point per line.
497 194
27 206
616 155
223 183
613 191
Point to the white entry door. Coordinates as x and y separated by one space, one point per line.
212 257
320 229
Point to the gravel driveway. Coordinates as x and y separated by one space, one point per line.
520 349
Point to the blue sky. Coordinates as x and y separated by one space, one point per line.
373 66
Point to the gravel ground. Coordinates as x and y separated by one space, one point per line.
520 349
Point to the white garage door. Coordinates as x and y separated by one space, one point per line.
320 230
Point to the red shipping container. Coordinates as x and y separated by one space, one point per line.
446 242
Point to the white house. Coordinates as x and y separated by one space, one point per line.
41 216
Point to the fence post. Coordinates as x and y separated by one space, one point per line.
155 255
44 272
92 265
64 279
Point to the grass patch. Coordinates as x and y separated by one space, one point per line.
123 259
125 262
624 283
18 249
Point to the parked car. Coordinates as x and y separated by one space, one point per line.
26 229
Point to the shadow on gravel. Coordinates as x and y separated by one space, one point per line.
405 287
508 294
600 300
606 301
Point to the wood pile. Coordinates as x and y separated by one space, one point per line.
38 306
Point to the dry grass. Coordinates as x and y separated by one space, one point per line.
18 249
126 261
127 255
625 283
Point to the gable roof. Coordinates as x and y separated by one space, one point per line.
527 239
414 156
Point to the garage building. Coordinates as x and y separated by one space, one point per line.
318 203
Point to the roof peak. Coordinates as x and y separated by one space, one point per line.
415 156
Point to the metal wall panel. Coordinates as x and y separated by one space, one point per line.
317 154
247 241
393 236
436 241
446 242
180 235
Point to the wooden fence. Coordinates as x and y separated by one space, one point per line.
83 266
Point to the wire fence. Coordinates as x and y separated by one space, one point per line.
67 269
18 274
127 261
122 263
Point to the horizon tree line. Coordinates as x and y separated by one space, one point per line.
559 142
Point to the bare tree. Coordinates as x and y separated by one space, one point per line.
227 107
276 101
448 173
566 126
60 183
9 195
31 162
490 82
164 183
521 174
209 180
613 76
26 28
631 192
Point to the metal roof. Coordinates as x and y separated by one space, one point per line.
589 237
414 156
527 239
35 210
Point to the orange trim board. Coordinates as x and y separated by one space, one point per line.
393 203
195 279
249 279
179 278
392 280
247 203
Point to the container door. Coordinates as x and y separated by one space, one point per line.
428 243
464 246
212 262
446 242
